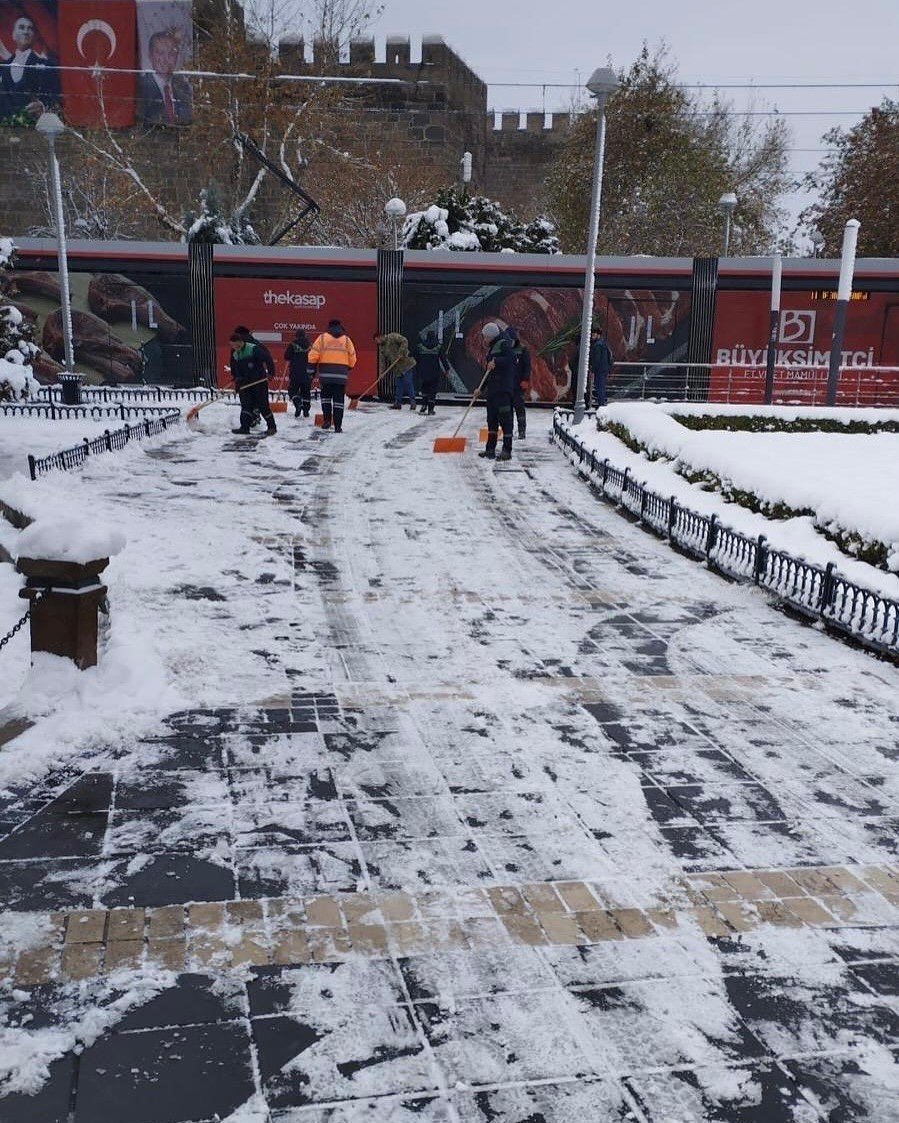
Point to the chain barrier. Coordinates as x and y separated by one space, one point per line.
21 624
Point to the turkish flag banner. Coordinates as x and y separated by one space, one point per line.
98 58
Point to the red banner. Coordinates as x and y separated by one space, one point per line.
98 40
275 309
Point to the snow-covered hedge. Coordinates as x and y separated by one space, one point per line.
846 479
459 221
17 381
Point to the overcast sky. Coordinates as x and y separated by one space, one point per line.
716 41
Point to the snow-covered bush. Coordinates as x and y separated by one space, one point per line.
459 221
211 225
17 382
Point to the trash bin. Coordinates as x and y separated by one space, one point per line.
71 389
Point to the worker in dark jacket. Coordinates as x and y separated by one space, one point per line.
266 355
430 364
521 383
333 355
300 385
502 367
601 363
250 374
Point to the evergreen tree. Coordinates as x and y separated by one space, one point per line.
669 158
859 179
457 220
17 382
210 225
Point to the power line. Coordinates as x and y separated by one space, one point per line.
720 85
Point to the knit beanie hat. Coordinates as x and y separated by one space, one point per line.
490 331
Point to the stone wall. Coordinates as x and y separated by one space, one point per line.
436 111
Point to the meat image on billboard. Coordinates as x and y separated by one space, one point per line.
645 329
165 44
275 309
122 330
805 328
29 61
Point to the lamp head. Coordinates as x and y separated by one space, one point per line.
395 209
728 201
50 126
603 82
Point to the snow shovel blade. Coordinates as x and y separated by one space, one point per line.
319 420
278 407
485 434
450 444
354 403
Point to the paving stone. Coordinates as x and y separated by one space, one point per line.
714 887
780 883
323 912
36 966
632 922
843 908
81 961
663 919
484 931
810 911
739 915
169 953
542 897
561 928
749 887
710 921
122 953
397 906
813 881
249 951
506 899
241 912
290 947
881 879
777 912
576 896
368 939
209 916
522 929
598 925
85 927
125 924
328 944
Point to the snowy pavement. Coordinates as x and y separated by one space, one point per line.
481 804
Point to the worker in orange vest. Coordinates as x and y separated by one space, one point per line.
333 356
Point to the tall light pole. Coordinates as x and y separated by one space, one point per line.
395 209
817 240
465 168
602 84
844 295
50 126
728 204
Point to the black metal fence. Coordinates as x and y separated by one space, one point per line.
139 394
107 442
57 412
819 593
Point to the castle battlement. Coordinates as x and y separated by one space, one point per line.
527 121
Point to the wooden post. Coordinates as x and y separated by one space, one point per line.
65 598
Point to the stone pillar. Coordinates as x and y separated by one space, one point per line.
65 598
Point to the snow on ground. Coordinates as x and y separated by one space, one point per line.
40 436
848 480
528 688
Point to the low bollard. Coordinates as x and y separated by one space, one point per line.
65 598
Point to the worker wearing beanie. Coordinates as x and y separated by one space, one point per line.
502 366
334 356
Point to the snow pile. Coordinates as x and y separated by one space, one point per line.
69 539
7 249
22 931
797 536
41 436
846 482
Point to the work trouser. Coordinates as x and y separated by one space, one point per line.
599 388
300 390
499 414
405 385
332 391
253 400
429 391
520 411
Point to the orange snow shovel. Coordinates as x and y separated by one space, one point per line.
354 402
455 443
278 406
191 416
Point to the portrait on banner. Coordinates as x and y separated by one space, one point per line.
165 42
29 61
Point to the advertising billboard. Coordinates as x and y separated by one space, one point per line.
29 60
274 309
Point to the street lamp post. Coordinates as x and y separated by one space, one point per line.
602 84
395 209
50 126
817 240
728 204
844 295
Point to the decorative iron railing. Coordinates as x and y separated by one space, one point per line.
107 441
819 593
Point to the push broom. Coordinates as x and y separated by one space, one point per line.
191 416
354 402
455 443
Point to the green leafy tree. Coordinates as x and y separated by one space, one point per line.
669 158
457 220
859 179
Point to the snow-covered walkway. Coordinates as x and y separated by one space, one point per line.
482 805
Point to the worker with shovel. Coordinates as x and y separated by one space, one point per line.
249 370
297 358
502 367
333 355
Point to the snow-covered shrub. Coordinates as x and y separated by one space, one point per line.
17 381
211 225
459 221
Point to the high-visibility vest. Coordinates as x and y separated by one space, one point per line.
333 356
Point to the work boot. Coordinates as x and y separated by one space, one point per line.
412 407
424 409
431 411
521 435
243 432
487 455
270 431
326 425
396 405
305 412
504 455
